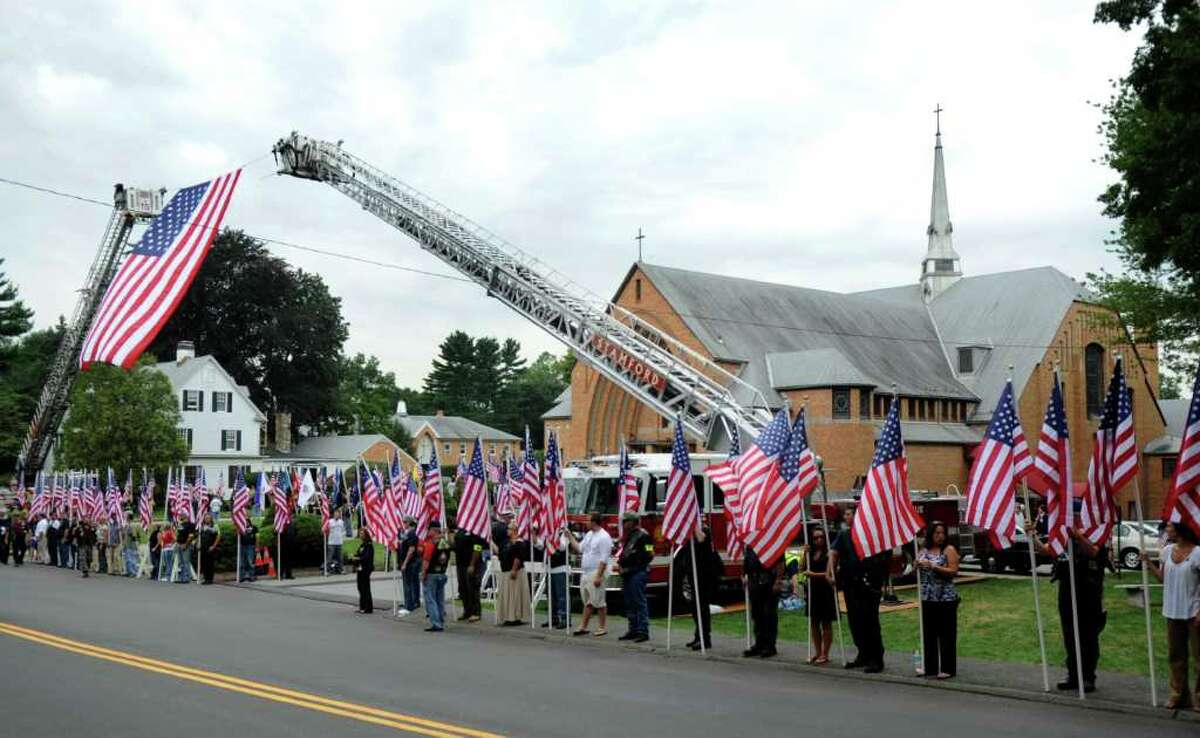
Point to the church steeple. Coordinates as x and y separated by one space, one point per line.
941 266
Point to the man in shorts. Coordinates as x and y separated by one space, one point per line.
595 550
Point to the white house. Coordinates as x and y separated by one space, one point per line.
223 429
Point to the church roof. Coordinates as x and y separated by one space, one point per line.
1013 316
878 341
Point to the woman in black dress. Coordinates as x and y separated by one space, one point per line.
821 600
364 561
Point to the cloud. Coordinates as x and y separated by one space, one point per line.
786 142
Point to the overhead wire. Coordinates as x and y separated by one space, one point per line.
450 277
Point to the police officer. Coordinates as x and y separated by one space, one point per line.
1090 562
861 581
764 584
708 570
637 551
468 568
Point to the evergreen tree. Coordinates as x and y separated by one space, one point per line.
451 384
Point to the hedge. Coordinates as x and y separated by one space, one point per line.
309 547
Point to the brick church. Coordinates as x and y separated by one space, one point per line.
945 342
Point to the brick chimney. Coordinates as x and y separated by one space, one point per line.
184 350
283 431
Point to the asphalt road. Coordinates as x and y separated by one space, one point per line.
338 665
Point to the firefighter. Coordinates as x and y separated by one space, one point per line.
861 581
1090 562
765 584
708 570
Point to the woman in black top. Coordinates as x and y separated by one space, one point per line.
820 600
512 596
155 553
364 561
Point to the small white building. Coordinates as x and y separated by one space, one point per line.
223 429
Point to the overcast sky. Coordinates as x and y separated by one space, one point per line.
786 142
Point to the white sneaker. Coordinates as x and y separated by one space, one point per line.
402 612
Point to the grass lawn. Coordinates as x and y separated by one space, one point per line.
350 547
996 623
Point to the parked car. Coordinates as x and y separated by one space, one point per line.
1014 558
1126 543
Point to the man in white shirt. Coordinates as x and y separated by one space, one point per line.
595 550
39 532
337 537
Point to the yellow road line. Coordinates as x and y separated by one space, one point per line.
363 713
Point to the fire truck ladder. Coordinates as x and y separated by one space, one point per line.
129 207
641 359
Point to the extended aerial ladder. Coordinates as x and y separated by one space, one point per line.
651 365
130 206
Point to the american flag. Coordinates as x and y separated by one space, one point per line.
886 517
58 496
325 514
473 502
723 474
40 501
96 503
1053 464
1002 460
397 486
753 468
146 500
241 504
494 470
412 496
1183 499
555 501
681 514
432 505
627 486
112 500
782 499
726 480
530 492
157 273
373 502
75 506
200 494
1114 460
279 498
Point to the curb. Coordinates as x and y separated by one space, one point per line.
526 633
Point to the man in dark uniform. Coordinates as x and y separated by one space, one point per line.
1090 562
765 584
861 582
637 551
84 536
409 556
53 536
468 568
704 586
246 544
287 545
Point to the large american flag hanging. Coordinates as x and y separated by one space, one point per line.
1183 499
241 503
1114 460
279 498
433 505
555 500
157 273
886 517
723 476
473 503
754 467
1053 464
681 514
1002 461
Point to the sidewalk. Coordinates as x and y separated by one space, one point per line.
1117 692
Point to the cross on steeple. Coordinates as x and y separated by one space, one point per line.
937 112
639 238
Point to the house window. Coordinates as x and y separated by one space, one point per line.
912 408
193 400
222 402
1093 373
232 473
637 290
462 449
231 440
966 360
1168 468
186 435
445 448
921 409
841 403
880 405
864 404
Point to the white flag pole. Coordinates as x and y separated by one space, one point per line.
920 609
746 596
807 578
837 606
1137 497
1037 603
670 595
1067 493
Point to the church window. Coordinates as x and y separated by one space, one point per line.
943 265
912 408
637 290
1093 371
921 409
881 406
966 360
841 403
1168 467
864 404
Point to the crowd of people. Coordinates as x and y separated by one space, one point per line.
814 576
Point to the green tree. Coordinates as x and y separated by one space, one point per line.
275 329
122 419
15 318
451 382
530 394
27 365
366 398
1151 130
